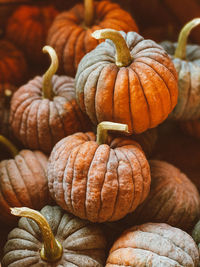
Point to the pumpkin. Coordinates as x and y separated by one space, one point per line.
154 244
13 66
70 33
45 110
173 199
98 181
23 181
129 80
53 237
27 28
186 59
191 128
196 234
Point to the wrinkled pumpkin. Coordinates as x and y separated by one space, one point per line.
27 28
127 80
95 180
186 59
23 181
53 237
173 199
45 110
153 245
70 33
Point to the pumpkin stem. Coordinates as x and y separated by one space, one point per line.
89 12
180 51
52 249
12 149
105 126
123 55
47 87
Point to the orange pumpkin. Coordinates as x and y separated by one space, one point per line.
70 33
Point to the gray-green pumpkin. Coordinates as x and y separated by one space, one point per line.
186 59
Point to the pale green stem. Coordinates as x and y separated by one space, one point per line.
52 249
105 126
123 55
180 51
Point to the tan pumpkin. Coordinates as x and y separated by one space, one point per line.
53 237
95 180
70 33
153 245
127 80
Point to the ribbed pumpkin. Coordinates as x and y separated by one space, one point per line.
98 181
53 237
129 80
173 199
186 59
23 181
27 28
70 33
153 245
45 110
13 66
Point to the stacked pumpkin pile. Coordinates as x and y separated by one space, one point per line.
85 139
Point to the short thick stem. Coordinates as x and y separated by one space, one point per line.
11 148
88 12
47 87
183 37
123 55
52 249
105 126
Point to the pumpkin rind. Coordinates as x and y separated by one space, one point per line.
141 95
23 182
40 123
72 40
83 243
191 128
173 199
98 182
153 245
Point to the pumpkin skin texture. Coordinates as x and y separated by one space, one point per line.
27 28
72 40
173 199
188 71
12 64
140 95
23 181
83 243
98 182
39 123
153 245
196 234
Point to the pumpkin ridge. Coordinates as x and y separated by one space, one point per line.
20 261
189 89
141 86
68 261
55 103
23 124
75 49
49 124
17 233
129 100
161 100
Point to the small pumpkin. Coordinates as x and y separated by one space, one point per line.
27 28
70 33
45 110
154 244
186 59
173 199
129 80
98 181
53 237
23 181
13 67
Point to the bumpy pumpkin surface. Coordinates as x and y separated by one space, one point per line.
39 123
173 199
23 182
153 245
98 182
140 94
12 64
72 39
27 28
83 243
